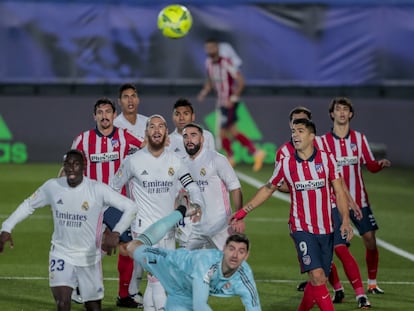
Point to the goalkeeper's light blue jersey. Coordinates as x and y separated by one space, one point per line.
189 277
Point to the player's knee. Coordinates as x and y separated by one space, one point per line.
317 276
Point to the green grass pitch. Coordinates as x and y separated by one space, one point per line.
23 269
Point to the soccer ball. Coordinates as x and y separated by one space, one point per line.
174 21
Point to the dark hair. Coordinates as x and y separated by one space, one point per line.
211 40
239 238
300 109
126 86
341 101
75 153
103 101
197 126
183 102
307 123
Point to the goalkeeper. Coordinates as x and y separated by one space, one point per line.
189 277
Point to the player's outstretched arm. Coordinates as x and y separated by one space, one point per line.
4 237
261 196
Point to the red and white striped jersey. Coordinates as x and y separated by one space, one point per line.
309 183
222 75
351 152
104 154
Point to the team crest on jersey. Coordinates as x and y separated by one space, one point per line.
319 167
119 173
115 143
171 171
227 285
203 171
306 260
353 147
85 206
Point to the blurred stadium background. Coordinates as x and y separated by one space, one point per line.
58 57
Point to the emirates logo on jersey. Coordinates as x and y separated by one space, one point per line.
203 172
85 206
171 171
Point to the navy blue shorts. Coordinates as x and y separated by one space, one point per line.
367 223
228 116
314 250
111 218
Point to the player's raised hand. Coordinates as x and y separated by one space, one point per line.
182 198
4 237
193 210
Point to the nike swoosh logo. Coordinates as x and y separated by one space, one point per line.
324 297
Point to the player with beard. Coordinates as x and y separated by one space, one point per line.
183 113
216 179
155 175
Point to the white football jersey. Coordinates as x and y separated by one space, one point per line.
137 129
77 215
216 178
177 142
154 183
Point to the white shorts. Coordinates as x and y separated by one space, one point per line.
183 231
88 279
199 241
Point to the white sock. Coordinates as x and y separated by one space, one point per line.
135 279
148 301
158 295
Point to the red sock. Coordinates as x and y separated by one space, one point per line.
307 300
371 258
351 268
322 298
334 278
246 142
125 269
226 144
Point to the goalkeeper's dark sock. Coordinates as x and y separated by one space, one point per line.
160 228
